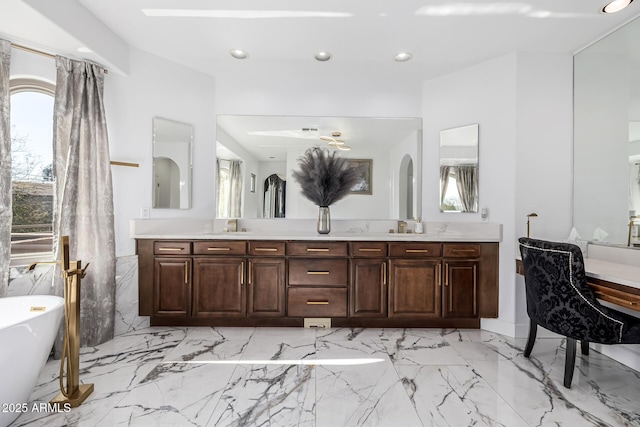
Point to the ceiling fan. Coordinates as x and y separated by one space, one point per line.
336 143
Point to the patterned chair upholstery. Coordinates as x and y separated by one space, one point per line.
559 299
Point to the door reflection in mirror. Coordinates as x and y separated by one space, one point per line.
172 164
274 197
459 169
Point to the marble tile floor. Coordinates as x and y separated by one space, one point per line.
338 377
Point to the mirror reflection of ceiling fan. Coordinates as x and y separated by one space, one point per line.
334 142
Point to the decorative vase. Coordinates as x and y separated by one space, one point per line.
324 220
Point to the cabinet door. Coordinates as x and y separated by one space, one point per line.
218 287
368 285
266 287
460 287
172 287
414 288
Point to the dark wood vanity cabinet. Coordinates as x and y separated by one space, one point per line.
461 266
415 280
317 279
172 285
279 283
266 271
171 278
368 279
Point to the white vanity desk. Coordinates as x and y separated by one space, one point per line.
616 282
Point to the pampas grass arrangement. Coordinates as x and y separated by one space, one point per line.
324 177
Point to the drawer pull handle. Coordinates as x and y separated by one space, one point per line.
317 249
266 249
317 273
317 302
439 274
186 272
618 300
464 250
384 273
370 250
446 274
218 249
423 251
171 249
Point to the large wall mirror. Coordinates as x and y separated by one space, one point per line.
256 155
459 169
607 138
172 164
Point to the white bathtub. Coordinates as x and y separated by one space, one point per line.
28 327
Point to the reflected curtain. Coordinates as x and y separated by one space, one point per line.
5 168
229 188
84 193
235 188
467 182
274 197
444 181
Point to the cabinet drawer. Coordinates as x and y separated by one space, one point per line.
171 248
266 248
368 249
317 249
461 250
323 272
614 296
317 302
409 250
218 247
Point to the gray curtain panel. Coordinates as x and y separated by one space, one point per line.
84 193
235 193
5 169
467 180
444 182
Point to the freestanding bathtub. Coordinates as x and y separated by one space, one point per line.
28 327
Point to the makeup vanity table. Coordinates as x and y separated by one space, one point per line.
615 283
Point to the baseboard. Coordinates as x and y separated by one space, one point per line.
627 355
514 330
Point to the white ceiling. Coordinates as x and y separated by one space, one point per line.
443 36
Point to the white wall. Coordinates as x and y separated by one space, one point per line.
156 87
522 103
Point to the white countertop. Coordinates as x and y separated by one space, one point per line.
614 272
342 230
410 237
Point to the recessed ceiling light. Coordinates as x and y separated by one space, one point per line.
402 57
616 6
238 53
323 56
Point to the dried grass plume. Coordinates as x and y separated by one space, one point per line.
324 177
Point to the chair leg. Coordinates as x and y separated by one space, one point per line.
584 346
533 330
569 362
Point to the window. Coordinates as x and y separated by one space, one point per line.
452 202
31 170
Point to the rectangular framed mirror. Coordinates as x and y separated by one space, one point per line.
459 169
606 139
389 150
172 164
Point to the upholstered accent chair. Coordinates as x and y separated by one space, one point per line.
559 299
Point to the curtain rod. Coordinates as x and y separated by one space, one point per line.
41 53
